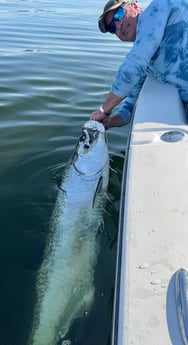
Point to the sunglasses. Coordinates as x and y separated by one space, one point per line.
118 16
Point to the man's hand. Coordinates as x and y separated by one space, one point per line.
107 121
101 117
102 114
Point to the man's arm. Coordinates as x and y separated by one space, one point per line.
123 114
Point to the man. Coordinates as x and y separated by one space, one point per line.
160 33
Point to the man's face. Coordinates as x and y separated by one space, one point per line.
126 28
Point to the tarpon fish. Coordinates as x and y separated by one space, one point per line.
65 280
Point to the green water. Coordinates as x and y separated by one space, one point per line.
55 69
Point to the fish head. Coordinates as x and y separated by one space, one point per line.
92 150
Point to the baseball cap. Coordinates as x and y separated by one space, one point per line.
110 5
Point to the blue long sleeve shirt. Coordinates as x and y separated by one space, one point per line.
160 50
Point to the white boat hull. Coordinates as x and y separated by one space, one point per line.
153 238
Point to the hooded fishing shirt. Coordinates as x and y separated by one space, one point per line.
160 50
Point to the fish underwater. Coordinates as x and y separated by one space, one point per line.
65 282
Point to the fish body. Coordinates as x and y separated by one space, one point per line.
65 280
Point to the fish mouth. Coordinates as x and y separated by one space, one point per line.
94 125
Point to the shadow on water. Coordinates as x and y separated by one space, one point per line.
26 207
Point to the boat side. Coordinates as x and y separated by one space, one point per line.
153 231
